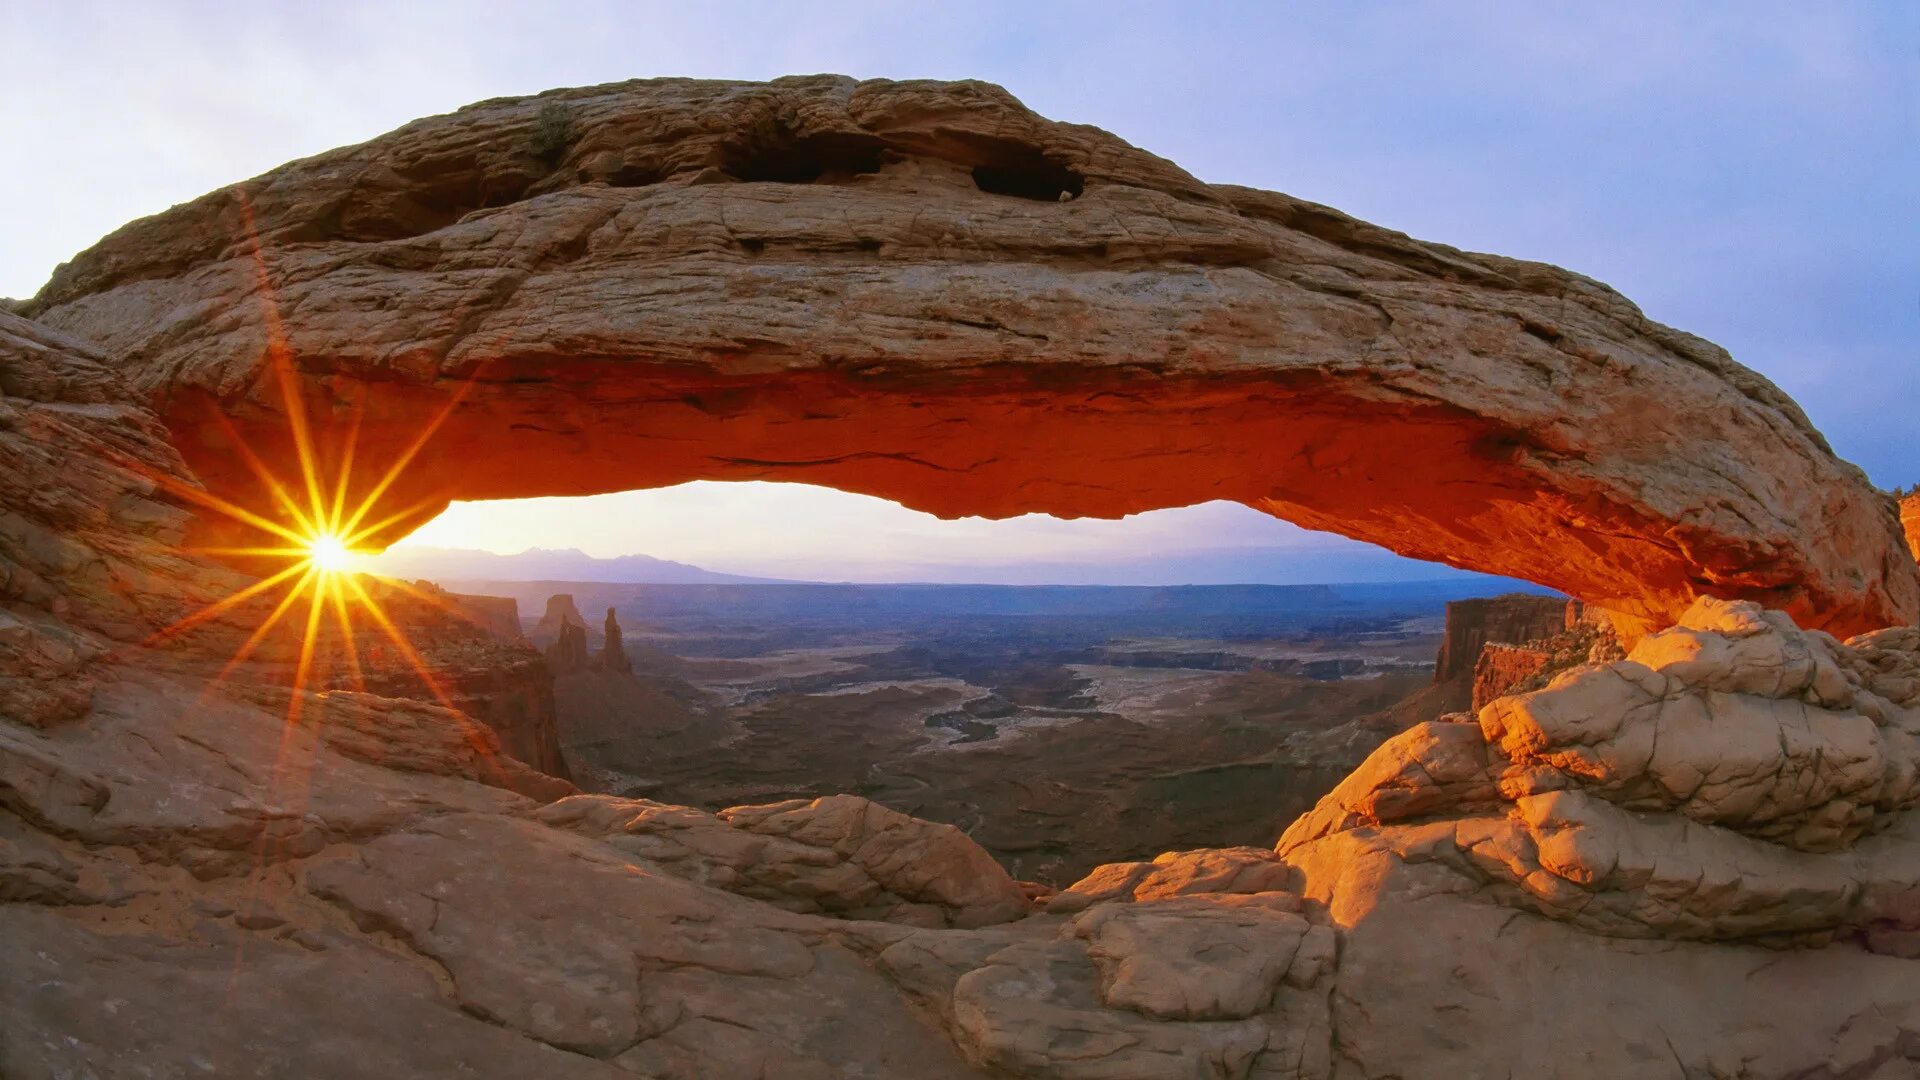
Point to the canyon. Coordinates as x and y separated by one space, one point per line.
1693 851
1058 728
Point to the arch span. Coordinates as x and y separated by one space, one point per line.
924 291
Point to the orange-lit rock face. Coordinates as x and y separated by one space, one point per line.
925 292
1910 520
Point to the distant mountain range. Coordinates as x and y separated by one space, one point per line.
1202 567
543 564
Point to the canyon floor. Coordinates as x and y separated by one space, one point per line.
1059 728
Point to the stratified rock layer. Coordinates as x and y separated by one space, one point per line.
1733 778
924 291
1702 860
1509 620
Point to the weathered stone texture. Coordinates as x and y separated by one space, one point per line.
925 291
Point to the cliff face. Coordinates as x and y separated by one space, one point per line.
1512 619
497 615
613 653
561 612
621 286
505 686
1910 521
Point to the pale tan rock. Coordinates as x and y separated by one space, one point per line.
1177 873
921 862
1034 1009
841 855
1429 973
1535 896
79 1002
1716 784
1734 718
1218 957
891 297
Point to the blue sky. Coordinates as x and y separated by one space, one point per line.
1745 171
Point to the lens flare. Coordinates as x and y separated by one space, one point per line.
330 554
312 528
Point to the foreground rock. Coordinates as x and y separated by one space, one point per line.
1733 778
1702 860
624 286
841 856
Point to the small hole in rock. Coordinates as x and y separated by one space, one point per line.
634 176
806 160
1036 178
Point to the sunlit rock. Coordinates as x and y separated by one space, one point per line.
878 286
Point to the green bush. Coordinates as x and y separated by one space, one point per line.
553 132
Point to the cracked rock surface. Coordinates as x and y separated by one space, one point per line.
925 291
1700 861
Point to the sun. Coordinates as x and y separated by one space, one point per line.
329 553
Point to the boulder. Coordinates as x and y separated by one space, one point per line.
841 855
1733 778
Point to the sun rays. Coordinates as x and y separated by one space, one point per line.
316 518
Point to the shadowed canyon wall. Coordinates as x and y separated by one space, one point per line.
926 292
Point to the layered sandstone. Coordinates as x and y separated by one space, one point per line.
1510 620
924 291
1699 860
1510 668
841 855
1733 778
613 651
497 615
1910 520
1502 667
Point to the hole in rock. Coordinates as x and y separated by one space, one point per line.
787 159
1067 692
1028 175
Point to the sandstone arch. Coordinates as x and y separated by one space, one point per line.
924 291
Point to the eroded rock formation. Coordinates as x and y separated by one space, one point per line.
840 855
1509 619
561 611
613 653
497 615
924 291
1701 860
1734 777
565 633
1512 667
1910 520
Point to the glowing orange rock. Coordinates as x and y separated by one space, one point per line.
1910 521
926 292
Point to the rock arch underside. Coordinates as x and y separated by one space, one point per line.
926 292
1701 859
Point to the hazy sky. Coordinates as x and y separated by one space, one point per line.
1746 171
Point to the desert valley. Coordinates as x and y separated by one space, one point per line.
1642 799
1059 728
